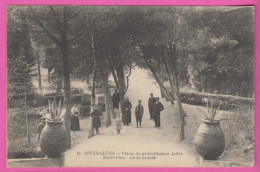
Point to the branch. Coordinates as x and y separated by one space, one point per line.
127 79
56 18
56 40
157 78
76 37
51 35
73 15
112 69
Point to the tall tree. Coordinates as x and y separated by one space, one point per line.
62 25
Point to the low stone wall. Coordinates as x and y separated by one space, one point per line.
36 162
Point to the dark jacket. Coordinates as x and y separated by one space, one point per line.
96 118
115 100
151 102
158 107
139 110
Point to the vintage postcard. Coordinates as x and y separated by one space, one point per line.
130 86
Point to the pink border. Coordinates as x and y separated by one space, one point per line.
3 5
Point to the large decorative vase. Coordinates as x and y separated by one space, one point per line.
54 139
209 141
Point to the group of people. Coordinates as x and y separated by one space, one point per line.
95 114
154 105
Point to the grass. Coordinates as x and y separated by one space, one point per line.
17 141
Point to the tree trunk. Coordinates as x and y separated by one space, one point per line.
121 85
161 91
67 89
107 99
93 96
49 76
158 81
39 70
93 103
27 122
173 62
121 95
112 110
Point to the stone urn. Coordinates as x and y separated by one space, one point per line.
209 140
54 138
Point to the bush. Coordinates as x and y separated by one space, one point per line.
76 99
101 103
77 91
239 127
86 100
84 111
230 102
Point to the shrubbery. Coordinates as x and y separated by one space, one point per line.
229 102
16 134
239 127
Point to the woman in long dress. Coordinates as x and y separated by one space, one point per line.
74 126
127 111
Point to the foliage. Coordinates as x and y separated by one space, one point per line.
20 59
239 127
224 60
16 133
229 102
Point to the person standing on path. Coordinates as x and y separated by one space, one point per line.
139 111
116 99
96 119
158 107
118 121
127 111
151 103
74 125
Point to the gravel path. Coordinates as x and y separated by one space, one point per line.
134 147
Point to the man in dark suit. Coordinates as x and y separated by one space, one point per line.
116 99
158 107
151 103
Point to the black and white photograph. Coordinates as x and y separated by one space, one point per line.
130 86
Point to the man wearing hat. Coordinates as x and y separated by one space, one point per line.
158 107
151 103
40 127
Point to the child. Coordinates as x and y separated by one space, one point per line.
139 111
118 122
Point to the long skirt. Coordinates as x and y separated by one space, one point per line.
74 126
96 122
127 117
